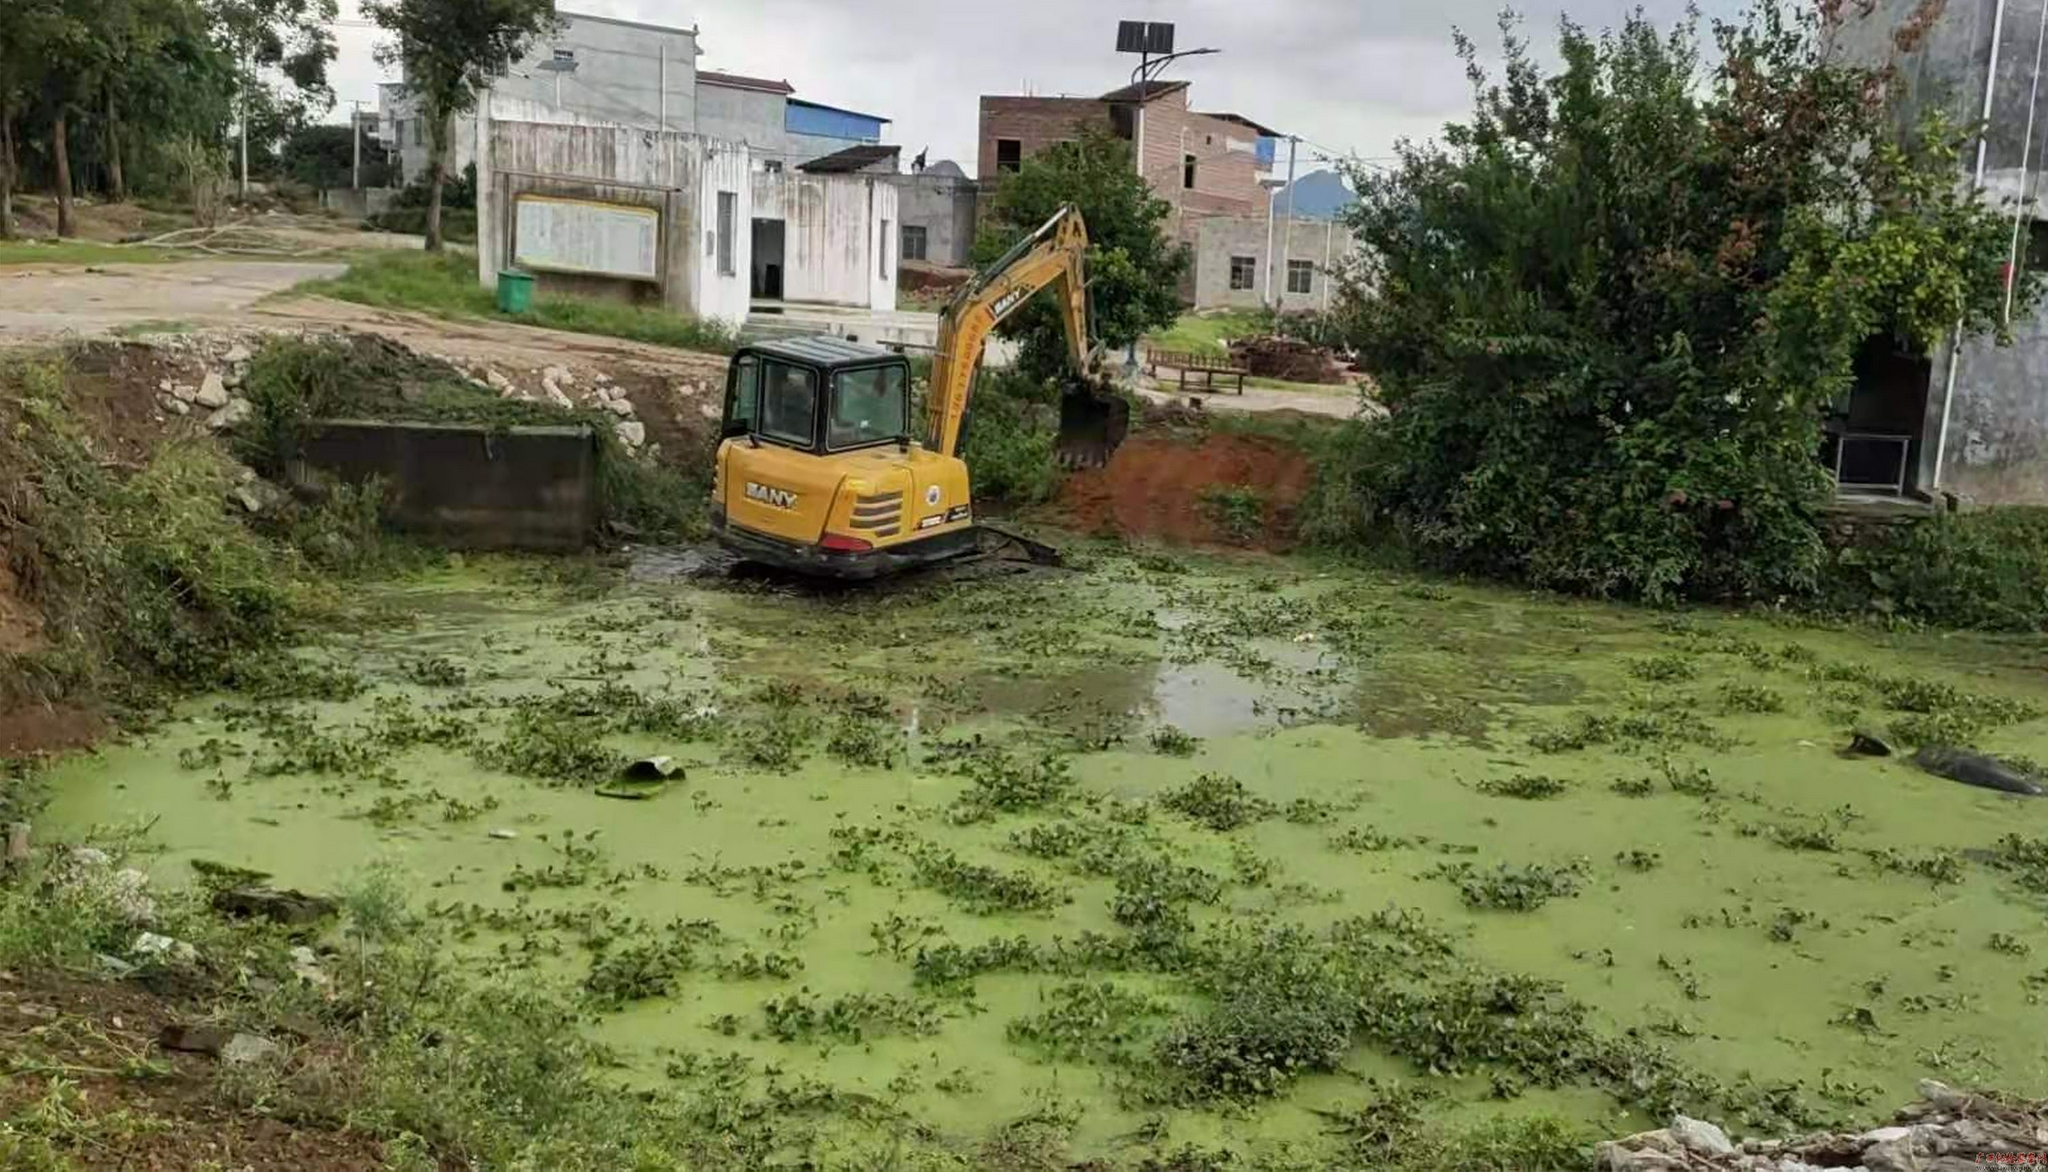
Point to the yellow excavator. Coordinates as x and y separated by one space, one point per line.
818 470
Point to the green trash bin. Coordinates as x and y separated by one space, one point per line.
515 291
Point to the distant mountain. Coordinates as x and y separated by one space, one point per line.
1319 195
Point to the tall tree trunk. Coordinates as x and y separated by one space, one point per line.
117 186
60 151
437 141
6 171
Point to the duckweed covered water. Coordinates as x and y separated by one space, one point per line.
1034 847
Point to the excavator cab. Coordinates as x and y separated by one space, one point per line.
817 472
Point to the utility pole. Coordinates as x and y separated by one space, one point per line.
355 142
1272 197
1287 235
1329 235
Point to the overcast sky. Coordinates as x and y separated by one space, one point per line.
1345 75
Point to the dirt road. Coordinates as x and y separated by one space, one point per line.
38 301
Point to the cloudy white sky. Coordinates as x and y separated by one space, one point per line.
1346 75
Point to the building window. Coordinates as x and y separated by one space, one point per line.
913 242
772 166
1009 154
1243 271
1301 276
882 253
728 211
1187 171
419 137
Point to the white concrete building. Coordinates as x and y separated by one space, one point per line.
595 67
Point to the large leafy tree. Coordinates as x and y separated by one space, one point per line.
1609 311
450 50
1134 269
291 40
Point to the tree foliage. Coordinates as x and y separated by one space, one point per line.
1609 311
451 49
1134 270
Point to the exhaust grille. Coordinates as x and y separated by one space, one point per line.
882 513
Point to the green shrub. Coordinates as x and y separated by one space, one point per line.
1607 348
1986 569
1237 510
1011 428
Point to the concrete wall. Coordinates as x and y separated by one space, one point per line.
742 115
626 73
830 224
679 173
1218 238
944 206
471 486
716 168
1988 440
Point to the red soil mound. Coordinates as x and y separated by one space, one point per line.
1157 486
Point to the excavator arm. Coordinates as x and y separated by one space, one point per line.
1091 424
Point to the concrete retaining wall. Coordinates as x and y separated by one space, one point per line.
464 485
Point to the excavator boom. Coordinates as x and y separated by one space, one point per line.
1093 421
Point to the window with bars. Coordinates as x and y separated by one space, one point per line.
1301 276
728 211
913 242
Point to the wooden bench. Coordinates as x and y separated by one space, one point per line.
1206 365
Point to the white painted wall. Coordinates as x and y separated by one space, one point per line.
884 251
826 239
723 167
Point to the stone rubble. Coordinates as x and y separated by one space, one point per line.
1946 1131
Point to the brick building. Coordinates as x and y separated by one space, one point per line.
1204 164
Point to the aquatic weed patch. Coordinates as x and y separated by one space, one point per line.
1527 786
1219 802
1521 888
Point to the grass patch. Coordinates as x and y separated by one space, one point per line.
1206 333
445 285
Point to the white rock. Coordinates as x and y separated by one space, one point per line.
559 375
231 379
505 834
603 379
212 392
89 856
1884 1135
236 353
498 381
1700 1136
165 385
173 404
619 407
246 1048
153 944
306 966
556 396
632 433
236 411
185 391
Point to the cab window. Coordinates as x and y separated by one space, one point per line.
742 390
868 406
789 404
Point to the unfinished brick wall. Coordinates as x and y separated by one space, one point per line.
1036 123
1225 154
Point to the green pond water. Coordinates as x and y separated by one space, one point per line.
1759 931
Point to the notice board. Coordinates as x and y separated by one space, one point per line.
557 234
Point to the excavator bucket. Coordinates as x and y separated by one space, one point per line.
1093 422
